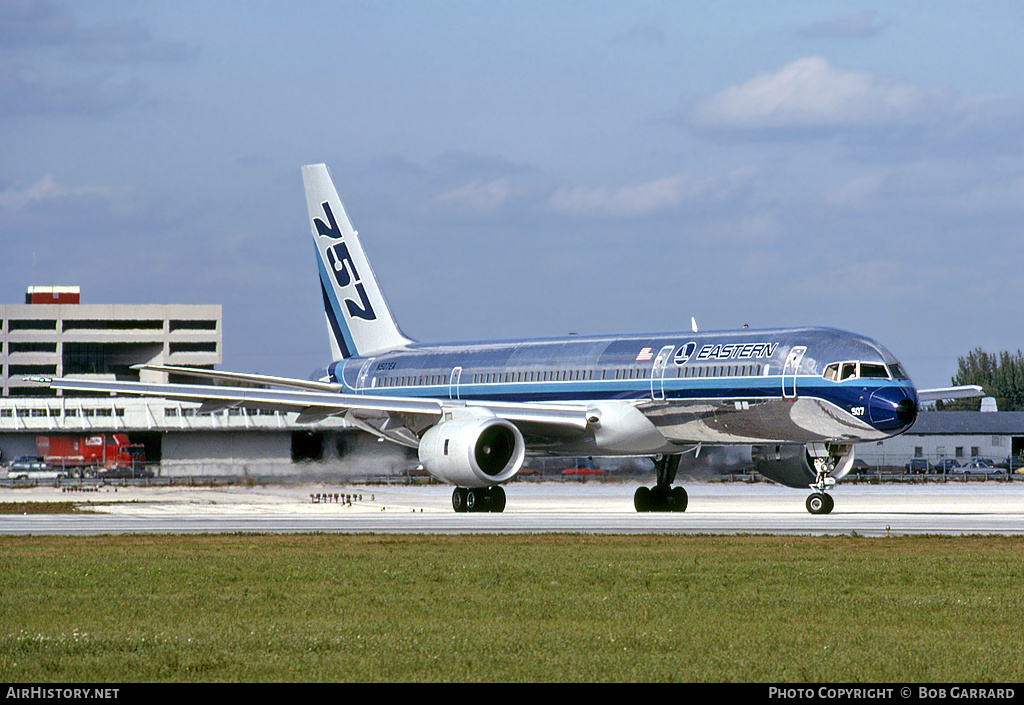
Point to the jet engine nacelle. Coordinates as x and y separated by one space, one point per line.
793 465
473 452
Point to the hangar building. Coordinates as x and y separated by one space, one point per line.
960 435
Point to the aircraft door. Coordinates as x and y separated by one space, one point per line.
796 354
364 372
658 372
453 384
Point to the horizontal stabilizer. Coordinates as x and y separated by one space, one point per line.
236 378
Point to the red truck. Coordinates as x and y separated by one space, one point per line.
85 455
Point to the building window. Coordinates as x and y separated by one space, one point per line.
17 370
32 324
193 347
82 324
84 359
33 347
192 325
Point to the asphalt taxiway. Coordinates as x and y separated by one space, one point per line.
714 508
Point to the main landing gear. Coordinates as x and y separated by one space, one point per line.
479 499
662 497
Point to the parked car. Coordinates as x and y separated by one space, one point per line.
859 467
584 471
946 465
979 466
123 473
584 466
918 466
33 467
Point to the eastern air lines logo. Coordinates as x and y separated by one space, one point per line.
342 267
684 353
727 351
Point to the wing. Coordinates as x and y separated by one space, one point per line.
399 419
969 391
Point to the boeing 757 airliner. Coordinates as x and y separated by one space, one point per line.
799 398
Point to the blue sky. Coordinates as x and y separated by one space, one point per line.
527 168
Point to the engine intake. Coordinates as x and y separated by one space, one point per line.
793 465
475 452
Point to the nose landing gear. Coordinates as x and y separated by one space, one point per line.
820 502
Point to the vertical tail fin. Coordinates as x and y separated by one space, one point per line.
358 318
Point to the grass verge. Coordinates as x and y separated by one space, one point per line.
327 607
41 508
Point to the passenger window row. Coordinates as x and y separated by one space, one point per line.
627 373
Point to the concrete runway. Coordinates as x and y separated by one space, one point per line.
714 508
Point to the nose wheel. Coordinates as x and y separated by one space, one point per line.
820 503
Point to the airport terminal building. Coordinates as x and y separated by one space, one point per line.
54 334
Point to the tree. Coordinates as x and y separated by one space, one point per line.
1000 376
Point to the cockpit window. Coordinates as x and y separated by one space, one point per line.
896 370
841 371
871 370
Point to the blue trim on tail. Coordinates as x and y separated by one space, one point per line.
335 317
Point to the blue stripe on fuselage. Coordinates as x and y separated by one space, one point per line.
694 389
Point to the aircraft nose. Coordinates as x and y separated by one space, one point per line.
906 412
893 408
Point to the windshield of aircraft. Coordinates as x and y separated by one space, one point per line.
841 371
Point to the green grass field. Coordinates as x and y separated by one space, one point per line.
510 608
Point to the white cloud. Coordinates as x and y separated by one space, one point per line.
647 198
872 280
17 197
860 25
856 191
24 92
811 94
477 197
994 197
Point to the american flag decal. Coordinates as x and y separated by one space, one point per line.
645 355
